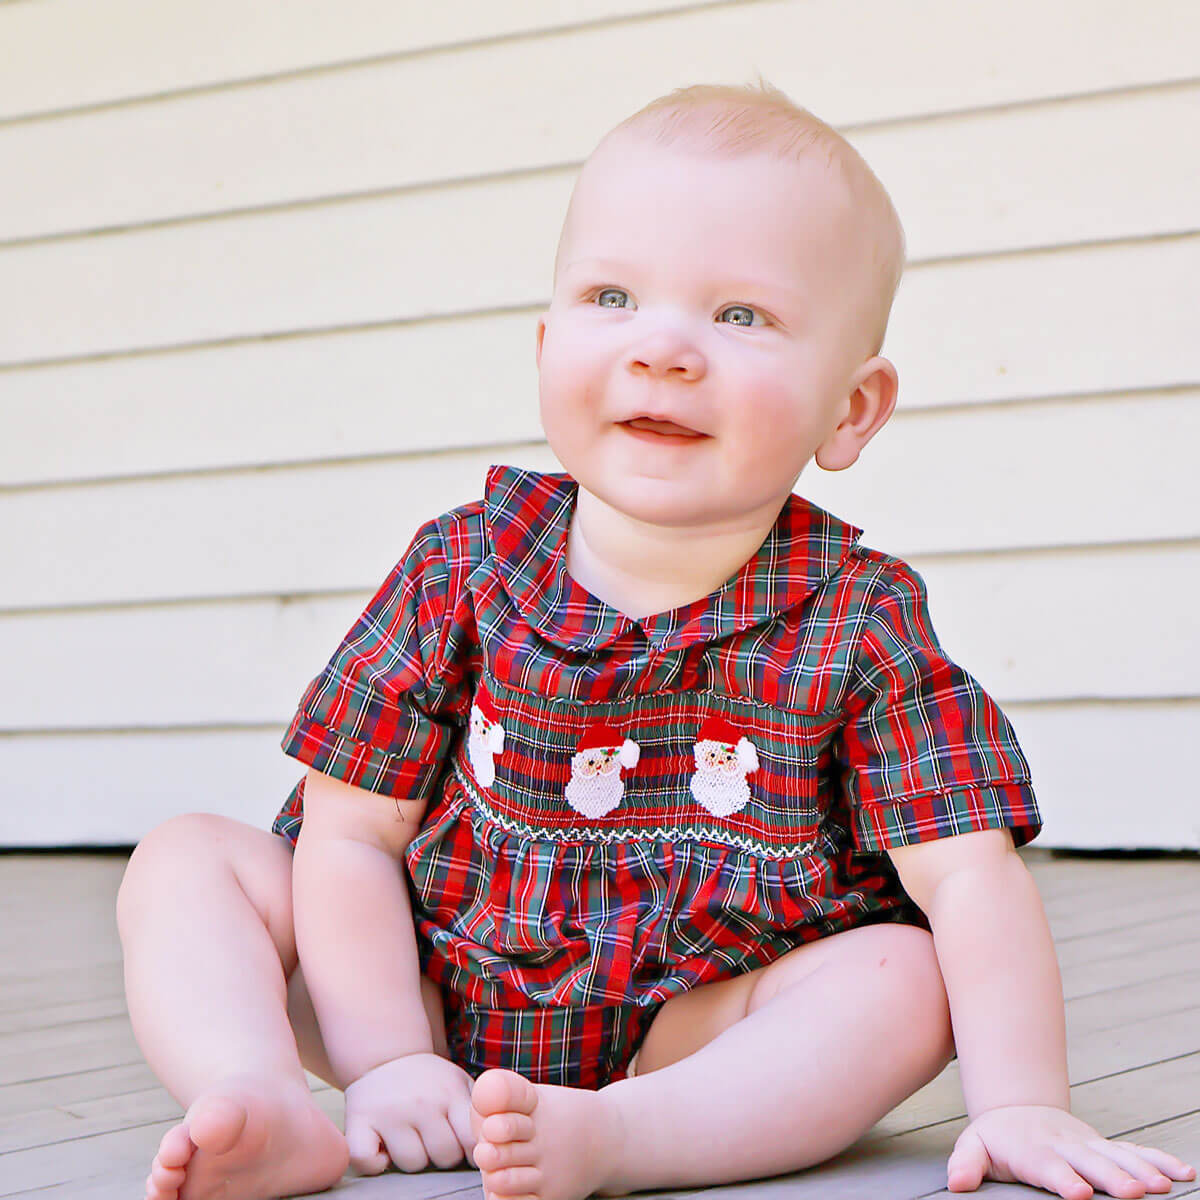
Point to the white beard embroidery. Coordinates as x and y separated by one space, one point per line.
594 790
485 739
721 792
482 762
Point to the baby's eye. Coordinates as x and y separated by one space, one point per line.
745 317
611 292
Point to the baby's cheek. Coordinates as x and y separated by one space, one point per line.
779 410
564 408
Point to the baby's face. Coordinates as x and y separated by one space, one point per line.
720 295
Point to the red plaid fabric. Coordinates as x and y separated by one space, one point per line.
621 810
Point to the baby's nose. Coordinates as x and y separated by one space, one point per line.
667 352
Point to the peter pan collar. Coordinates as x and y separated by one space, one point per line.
528 516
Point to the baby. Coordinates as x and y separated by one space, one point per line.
649 839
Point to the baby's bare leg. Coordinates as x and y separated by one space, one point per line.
768 1073
833 1037
205 918
220 1010
204 913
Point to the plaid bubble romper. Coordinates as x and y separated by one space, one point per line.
621 810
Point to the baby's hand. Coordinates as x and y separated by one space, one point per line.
1049 1148
415 1110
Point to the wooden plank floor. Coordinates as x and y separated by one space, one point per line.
81 1114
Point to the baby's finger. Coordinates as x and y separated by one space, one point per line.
441 1143
1137 1163
1047 1169
460 1121
367 1155
1100 1170
405 1148
1171 1166
968 1163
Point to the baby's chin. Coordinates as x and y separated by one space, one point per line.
679 501
684 491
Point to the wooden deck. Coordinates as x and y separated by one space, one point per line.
81 1114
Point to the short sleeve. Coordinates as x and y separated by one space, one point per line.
925 752
384 713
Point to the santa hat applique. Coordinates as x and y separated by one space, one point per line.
718 729
604 737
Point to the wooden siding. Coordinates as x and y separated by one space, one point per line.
246 296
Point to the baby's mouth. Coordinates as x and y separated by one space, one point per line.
666 428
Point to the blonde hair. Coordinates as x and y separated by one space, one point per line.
744 119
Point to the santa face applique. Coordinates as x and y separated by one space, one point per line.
723 760
595 786
485 739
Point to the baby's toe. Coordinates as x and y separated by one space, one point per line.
167 1179
515 1181
492 1157
507 1127
176 1148
500 1091
216 1123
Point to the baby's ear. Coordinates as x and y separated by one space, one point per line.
541 334
869 406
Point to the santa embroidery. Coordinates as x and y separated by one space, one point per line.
595 786
723 760
485 738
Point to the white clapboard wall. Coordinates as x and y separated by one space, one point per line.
269 277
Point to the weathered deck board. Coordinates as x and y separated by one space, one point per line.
81 1114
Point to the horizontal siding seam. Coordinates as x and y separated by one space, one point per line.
367 62
391 456
448 183
271 335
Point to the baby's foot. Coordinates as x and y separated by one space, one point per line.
536 1140
249 1138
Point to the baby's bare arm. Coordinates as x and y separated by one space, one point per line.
1006 996
354 927
998 963
1006 1002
